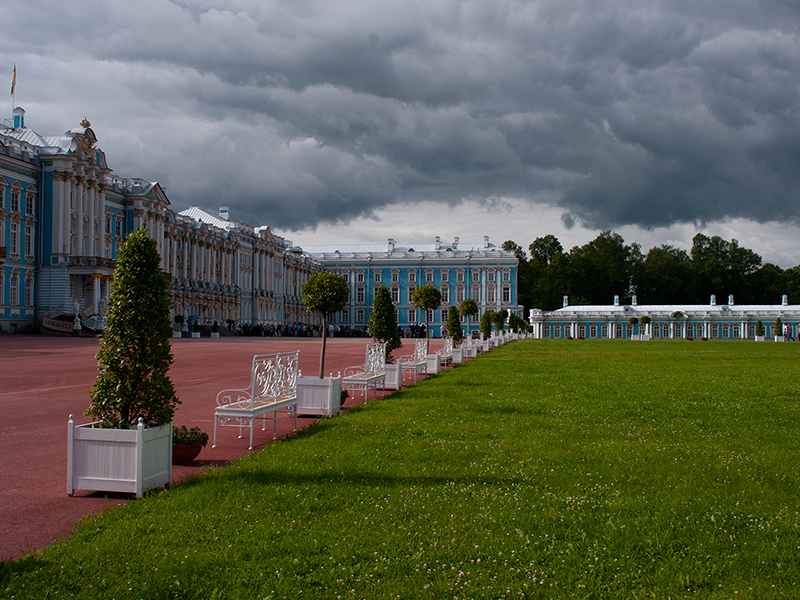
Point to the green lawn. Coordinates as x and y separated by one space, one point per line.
543 469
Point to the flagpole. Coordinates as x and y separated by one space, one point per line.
13 93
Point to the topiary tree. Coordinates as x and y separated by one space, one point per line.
517 323
759 328
325 293
454 325
468 308
382 323
778 327
645 320
135 352
427 297
499 319
486 324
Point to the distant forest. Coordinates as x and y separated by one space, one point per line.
595 272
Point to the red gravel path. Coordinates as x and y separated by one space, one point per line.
44 379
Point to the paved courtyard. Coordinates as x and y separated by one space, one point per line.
45 379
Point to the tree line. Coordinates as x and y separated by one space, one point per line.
606 267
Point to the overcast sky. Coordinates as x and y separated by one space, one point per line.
366 119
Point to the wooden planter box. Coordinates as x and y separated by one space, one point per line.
434 366
118 460
317 396
457 355
394 376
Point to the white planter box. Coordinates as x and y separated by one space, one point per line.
457 355
215 334
317 396
434 366
176 334
118 460
779 338
759 338
195 334
394 376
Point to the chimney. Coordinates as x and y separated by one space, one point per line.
785 300
486 241
713 300
616 300
730 299
438 243
633 300
566 301
224 212
455 243
390 245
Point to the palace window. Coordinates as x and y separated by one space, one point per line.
506 276
360 295
118 227
395 294
14 289
14 200
490 295
412 276
29 290
28 240
476 276
592 330
359 315
345 316
444 315
412 315
445 291
506 295
395 276
582 330
14 238
490 275
445 276
460 276
29 204
429 276
604 331
360 277
476 293
459 294
476 318
377 276
429 315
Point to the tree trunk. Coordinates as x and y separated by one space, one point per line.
322 354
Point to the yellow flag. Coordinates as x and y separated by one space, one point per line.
14 79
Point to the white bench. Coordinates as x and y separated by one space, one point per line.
446 353
273 388
366 376
417 362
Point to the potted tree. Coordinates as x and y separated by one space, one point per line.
178 326
382 326
778 330
324 293
644 335
196 329
469 309
486 330
129 447
215 330
759 331
426 297
633 321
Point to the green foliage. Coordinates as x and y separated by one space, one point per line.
486 324
325 293
607 470
454 325
426 297
468 308
633 321
178 319
516 323
191 437
499 319
759 328
644 320
382 323
778 326
135 352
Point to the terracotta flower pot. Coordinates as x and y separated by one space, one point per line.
183 454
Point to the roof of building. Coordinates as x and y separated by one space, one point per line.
198 214
407 249
671 309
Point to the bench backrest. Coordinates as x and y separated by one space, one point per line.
421 351
448 347
375 359
275 375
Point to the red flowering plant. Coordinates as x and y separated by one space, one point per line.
191 437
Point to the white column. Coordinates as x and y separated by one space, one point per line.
97 281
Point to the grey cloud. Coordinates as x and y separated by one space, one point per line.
622 112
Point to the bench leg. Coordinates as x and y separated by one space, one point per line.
252 422
214 445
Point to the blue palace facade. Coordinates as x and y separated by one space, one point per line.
64 213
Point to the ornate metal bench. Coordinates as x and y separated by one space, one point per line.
273 388
366 376
446 353
417 362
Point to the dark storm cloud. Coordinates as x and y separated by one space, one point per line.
623 112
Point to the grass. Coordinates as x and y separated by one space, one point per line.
544 469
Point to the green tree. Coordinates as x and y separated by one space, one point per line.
325 293
454 325
516 323
486 324
722 267
382 323
468 308
135 352
499 319
666 276
427 297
